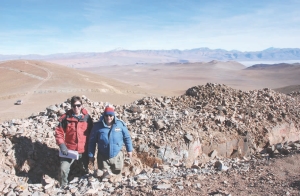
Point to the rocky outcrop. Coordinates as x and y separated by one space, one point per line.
208 123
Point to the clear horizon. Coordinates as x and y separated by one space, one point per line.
51 27
120 49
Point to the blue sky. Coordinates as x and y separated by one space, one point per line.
63 26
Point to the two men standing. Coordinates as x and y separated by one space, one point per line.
77 132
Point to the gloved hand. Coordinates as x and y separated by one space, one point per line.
63 149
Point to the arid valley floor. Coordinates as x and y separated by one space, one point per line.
40 84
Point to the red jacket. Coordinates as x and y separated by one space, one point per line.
73 132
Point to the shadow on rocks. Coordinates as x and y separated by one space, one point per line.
34 159
296 184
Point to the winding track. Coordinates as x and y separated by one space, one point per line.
26 96
102 83
35 87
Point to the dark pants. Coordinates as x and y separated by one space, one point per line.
65 165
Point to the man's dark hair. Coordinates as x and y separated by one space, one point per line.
74 99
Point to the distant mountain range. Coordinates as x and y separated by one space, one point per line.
123 56
278 66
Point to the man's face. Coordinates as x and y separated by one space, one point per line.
109 119
76 107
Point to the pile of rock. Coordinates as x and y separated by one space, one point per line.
295 94
173 137
212 120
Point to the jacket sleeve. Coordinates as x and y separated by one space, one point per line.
90 125
127 138
92 141
60 132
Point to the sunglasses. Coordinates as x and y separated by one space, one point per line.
108 115
76 105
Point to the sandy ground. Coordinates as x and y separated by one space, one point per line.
175 79
40 84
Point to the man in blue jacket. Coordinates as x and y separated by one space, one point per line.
110 134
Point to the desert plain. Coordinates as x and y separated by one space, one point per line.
39 83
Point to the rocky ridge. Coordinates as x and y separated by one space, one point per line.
210 129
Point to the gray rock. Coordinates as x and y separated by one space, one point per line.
158 124
188 137
52 109
162 186
98 173
213 154
143 148
220 166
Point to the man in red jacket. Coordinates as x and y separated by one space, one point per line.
72 133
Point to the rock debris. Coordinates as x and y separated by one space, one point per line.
179 143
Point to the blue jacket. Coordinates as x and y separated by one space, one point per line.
109 144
